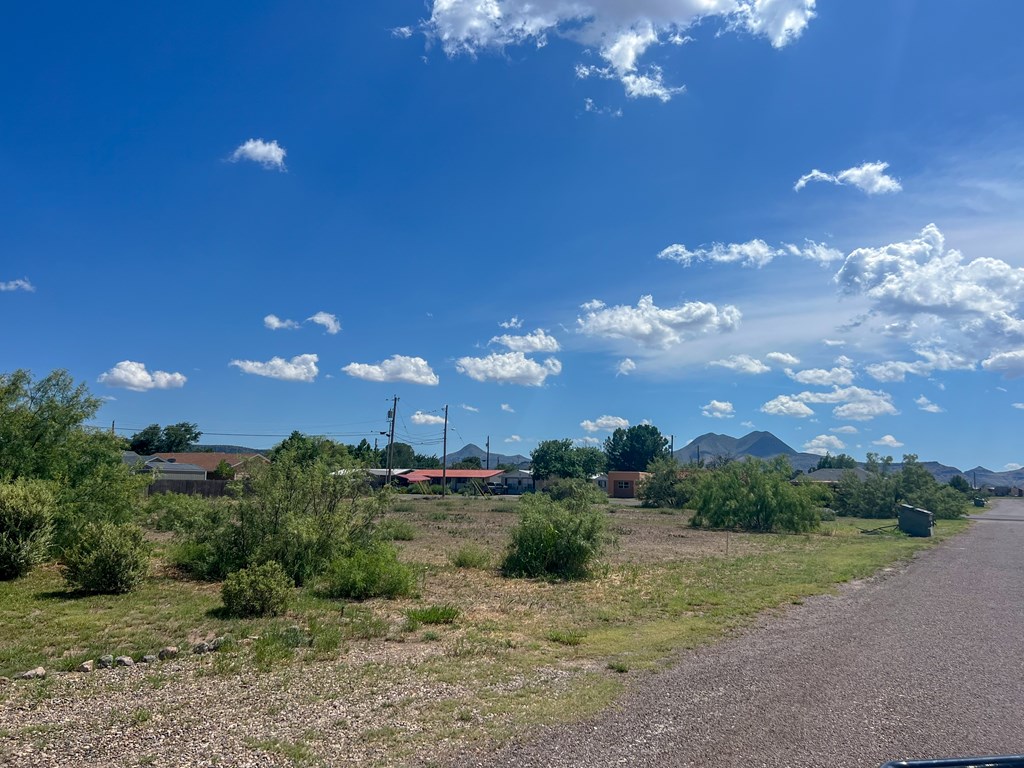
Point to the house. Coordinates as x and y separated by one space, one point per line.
515 481
165 469
601 481
457 479
210 460
622 485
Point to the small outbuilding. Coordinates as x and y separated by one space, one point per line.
623 485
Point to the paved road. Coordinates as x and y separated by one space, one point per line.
923 661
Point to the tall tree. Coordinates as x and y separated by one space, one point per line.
174 438
633 449
307 449
402 456
841 461
470 462
555 458
592 460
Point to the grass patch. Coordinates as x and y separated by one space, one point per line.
434 614
470 556
566 636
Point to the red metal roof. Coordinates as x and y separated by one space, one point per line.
415 477
209 460
460 474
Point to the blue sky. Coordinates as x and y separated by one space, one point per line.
783 215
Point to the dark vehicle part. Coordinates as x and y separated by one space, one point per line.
994 761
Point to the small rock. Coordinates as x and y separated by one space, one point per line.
216 643
200 648
124 661
105 662
149 658
168 653
4 681
87 666
33 674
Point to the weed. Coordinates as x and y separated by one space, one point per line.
434 614
140 716
396 530
566 636
618 666
361 624
470 556
430 636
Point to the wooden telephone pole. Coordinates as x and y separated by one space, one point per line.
444 459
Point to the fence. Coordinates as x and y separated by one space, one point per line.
208 488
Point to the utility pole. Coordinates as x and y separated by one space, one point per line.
392 414
444 459
488 452
672 446
112 427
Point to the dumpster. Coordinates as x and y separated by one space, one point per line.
979 501
915 521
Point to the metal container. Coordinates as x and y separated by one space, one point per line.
914 521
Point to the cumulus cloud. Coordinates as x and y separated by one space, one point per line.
819 377
888 441
269 154
655 327
411 370
21 284
299 368
851 404
846 429
402 33
823 444
507 408
538 341
625 367
1019 406
1012 466
132 375
742 364
327 320
512 323
588 440
508 368
927 405
1010 364
275 323
870 178
621 31
754 253
782 358
470 408
513 439
606 423
718 409
426 418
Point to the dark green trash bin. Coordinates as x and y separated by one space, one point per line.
915 521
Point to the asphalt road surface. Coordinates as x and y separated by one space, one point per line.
923 661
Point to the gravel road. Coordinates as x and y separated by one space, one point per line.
926 660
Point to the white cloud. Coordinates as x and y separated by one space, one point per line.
621 31
592 305
411 370
851 404
625 367
512 323
1010 364
823 444
129 374
513 439
844 361
921 276
22 284
747 424
426 418
844 430
754 253
655 327
275 323
833 342
327 320
269 154
607 423
1012 466
538 341
819 377
299 368
402 33
589 440
508 368
742 364
470 408
507 408
1019 406
718 409
888 441
927 405
782 358
870 178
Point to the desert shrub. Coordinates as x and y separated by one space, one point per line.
26 519
434 614
372 571
107 559
754 495
554 539
178 512
395 529
263 590
208 539
470 556
669 486
576 490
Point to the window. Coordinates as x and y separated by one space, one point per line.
623 485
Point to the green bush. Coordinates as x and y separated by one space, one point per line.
209 535
107 559
395 529
264 590
26 522
470 556
554 539
669 486
178 512
576 490
368 572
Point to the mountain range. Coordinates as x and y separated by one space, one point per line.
522 462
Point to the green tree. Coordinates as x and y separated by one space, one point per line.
960 483
555 458
842 461
402 456
422 461
592 460
633 449
223 471
147 441
307 449
365 454
174 438
669 486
